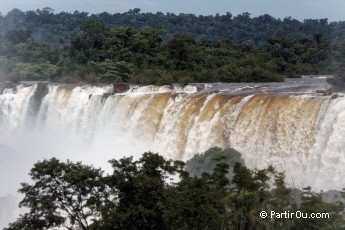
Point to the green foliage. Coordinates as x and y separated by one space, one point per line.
39 71
49 27
198 202
302 56
207 161
312 203
282 201
182 60
182 50
63 194
249 196
133 47
18 36
140 194
112 72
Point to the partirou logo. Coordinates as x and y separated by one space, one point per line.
290 215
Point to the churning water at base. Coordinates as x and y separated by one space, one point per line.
287 125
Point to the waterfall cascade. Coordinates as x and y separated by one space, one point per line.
288 125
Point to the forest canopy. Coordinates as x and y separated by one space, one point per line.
157 48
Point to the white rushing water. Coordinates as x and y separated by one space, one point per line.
304 135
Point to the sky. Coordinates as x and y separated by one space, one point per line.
298 9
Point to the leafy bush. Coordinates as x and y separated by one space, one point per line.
207 161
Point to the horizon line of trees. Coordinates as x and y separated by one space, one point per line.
144 194
101 54
154 51
54 28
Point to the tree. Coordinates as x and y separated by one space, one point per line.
144 194
18 36
281 201
207 161
86 47
312 203
249 196
63 195
39 71
199 202
113 72
338 81
140 192
181 49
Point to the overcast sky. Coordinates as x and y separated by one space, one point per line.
334 10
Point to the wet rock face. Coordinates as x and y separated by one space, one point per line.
41 90
121 87
335 96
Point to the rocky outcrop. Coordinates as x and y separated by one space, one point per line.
121 87
326 92
42 90
199 87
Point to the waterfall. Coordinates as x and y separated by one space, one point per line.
301 133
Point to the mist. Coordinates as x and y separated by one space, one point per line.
29 136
